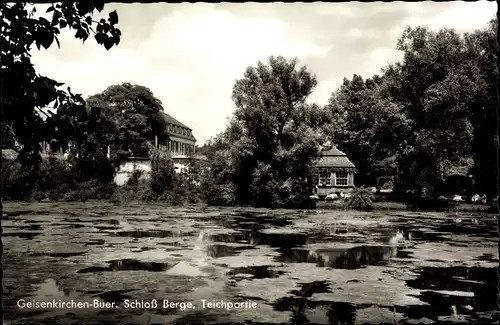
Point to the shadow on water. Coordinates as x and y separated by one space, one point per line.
93 221
116 296
24 227
338 258
471 290
305 311
308 289
95 242
129 265
255 272
22 235
58 254
253 221
469 229
49 291
486 257
219 250
152 234
257 238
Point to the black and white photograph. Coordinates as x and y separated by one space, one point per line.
249 163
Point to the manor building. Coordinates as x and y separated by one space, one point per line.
181 140
181 145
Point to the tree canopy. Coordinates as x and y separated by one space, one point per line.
136 115
26 93
427 117
266 152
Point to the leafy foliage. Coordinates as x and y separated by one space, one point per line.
135 116
361 199
55 179
265 155
428 117
26 93
163 177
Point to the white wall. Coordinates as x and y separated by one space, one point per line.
127 168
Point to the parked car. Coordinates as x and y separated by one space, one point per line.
476 198
331 197
442 198
314 197
457 198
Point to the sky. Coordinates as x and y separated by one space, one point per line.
190 55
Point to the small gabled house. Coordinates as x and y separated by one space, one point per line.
333 172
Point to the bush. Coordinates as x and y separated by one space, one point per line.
388 185
135 178
117 196
69 196
361 199
38 195
162 173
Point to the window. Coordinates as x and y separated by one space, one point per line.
324 177
341 179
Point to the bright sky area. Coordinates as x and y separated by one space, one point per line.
189 55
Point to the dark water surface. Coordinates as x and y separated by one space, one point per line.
284 266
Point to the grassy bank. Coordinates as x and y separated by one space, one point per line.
388 205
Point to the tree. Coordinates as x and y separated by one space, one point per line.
371 129
137 116
266 154
427 117
26 93
482 49
446 84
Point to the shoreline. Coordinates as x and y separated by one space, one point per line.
320 205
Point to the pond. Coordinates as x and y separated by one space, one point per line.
97 263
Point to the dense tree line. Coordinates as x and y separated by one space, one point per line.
428 117
423 119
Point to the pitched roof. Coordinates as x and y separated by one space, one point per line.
334 158
170 120
173 121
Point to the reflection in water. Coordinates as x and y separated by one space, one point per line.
469 228
304 310
181 276
471 290
256 272
116 296
252 221
129 265
257 238
308 289
24 227
340 258
23 235
58 254
152 233
50 291
219 250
